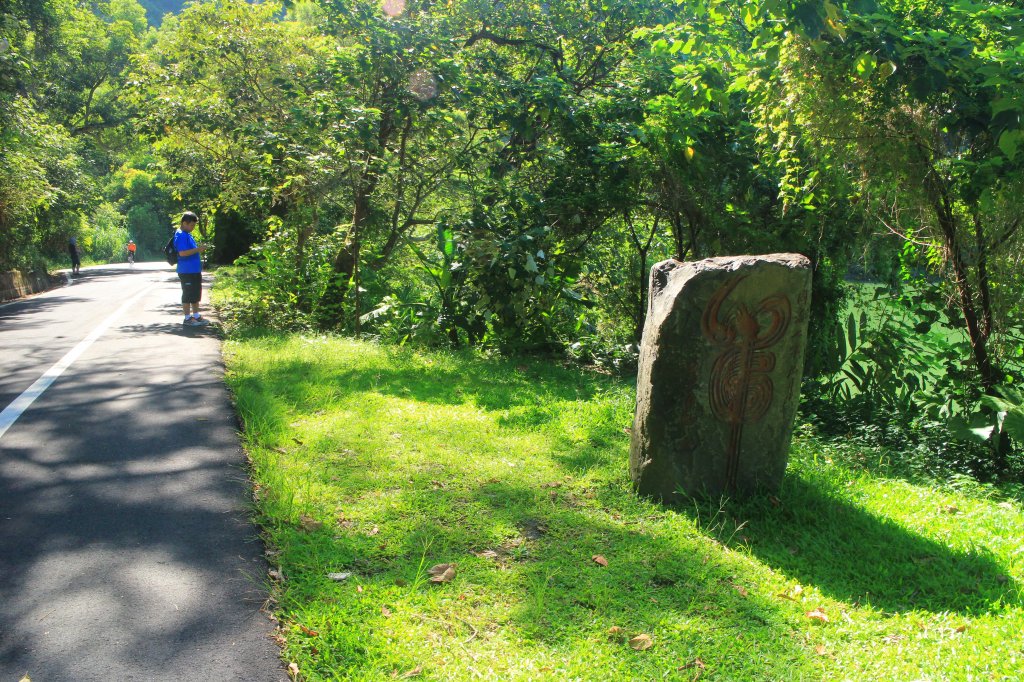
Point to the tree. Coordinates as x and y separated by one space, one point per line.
918 104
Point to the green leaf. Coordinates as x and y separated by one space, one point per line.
865 66
1005 104
965 430
886 69
1009 142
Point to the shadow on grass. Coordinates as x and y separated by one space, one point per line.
819 539
489 384
683 594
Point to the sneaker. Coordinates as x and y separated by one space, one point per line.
199 322
189 322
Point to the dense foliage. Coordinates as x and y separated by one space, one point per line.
504 174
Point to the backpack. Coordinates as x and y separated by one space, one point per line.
171 253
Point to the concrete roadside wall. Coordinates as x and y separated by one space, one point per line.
16 284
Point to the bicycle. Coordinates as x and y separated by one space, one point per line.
131 259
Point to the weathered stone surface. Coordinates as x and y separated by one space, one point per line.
719 376
15 284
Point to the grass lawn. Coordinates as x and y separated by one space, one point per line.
374 464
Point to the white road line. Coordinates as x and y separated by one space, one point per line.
22 402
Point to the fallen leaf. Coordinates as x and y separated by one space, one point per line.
359 589
385 611
553 484
962 628
26 678
487 554
951 509
308 523
892 639
412 673
616 634
628 431
599 560
818 615
293 670
441 573
820 650
373 531
276 574
641 642
695 663
742 590
783 595
307 631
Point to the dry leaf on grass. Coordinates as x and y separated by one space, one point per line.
276 574
817 615
616 634
553 484
441 573
412 673
308 631
293 670
385 611
695 663
599 560
641 642
742 590
308 523
338 577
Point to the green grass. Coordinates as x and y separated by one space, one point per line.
382 462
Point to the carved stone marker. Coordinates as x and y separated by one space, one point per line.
719 378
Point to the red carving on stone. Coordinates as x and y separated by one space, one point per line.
741 390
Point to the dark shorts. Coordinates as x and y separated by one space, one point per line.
191 286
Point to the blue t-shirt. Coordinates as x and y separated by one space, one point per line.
183 241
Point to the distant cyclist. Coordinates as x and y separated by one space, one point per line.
131 252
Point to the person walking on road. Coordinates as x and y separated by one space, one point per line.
190 269
76 261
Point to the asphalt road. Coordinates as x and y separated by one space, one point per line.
125 551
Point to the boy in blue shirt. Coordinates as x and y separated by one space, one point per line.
190 269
